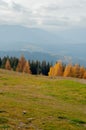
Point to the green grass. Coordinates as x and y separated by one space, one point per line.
41 103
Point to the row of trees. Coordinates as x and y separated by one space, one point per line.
37 67
22 65
69 70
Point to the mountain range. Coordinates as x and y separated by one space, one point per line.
69 45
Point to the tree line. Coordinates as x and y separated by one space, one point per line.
44 68
22 65
69 70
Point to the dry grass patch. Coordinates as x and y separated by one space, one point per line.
41 103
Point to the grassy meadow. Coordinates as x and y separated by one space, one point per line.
30 102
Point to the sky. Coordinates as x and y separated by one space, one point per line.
43 13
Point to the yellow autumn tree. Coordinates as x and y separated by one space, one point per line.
84 76
51 72
58 69
21 64
7 65
68 71
26 68
76 71
82 71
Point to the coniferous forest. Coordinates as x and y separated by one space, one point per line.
22 65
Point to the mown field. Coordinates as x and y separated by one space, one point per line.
41 103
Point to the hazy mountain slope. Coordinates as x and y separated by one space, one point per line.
20 37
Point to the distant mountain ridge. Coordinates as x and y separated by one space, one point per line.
40 56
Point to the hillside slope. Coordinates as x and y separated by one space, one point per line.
41 103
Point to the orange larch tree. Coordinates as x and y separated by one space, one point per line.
21 64
76 71
58 69
68 71
84 76
26 68
82 71
51 72
7 65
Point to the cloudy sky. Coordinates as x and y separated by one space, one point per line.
43 13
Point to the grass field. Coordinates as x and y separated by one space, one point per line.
41 103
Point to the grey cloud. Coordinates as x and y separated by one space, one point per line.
54 14
12 6
18 7
13 13
64 14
